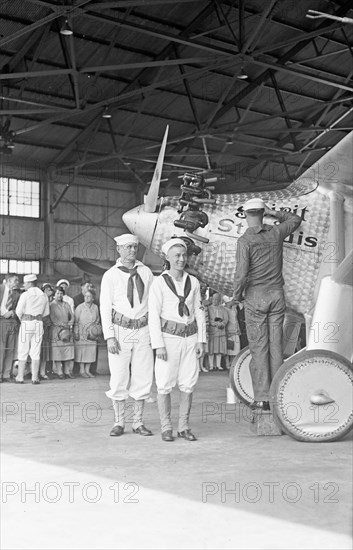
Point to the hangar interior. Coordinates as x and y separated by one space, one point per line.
255 93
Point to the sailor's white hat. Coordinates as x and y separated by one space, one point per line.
29 278
254 204
172 242
126 238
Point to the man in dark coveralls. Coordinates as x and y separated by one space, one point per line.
259 262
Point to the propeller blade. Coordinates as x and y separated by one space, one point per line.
152 195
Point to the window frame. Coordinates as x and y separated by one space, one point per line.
34 196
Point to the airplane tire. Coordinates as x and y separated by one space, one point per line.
311 396
240 379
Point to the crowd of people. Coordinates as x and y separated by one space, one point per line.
226 332
48 327
71 331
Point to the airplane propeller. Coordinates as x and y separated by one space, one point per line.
151 198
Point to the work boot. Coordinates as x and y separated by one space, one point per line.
119 418
184 411
164 408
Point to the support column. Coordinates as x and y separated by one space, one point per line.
49 230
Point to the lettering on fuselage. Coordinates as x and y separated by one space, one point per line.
236 226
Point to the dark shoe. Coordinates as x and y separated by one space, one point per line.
186 434
69 375
44 377
19 381
116 431
61 376
262 405
167 435
142 430
35 382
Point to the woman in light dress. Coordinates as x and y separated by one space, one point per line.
62 347
218 320
87 320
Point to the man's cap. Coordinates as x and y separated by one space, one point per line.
127 238
29 278
254 204
172 242
63 282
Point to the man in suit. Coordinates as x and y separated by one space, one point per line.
9 324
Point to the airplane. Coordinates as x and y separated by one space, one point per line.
211 224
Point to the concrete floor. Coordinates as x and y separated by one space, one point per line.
95 491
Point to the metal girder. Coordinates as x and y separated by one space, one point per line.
227 24
134 27
59 12
297 39
241 12
283 108
318 57
21 52
194 111
29 28
63 154
74 74
145 3
28 112
105 56
318 117
256 33
266 74
300 74
128 95
105 68
288 131
35 56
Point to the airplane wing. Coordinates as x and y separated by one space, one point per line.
93 267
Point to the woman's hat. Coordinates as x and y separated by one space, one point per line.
64 335
47 285
63 282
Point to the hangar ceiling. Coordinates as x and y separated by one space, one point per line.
96 102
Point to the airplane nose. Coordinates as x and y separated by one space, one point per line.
142 224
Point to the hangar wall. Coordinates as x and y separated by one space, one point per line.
83 222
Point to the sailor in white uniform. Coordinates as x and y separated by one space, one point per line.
32 307
123 307
178 333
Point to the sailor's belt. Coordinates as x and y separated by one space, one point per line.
179 329
126 322
28 317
